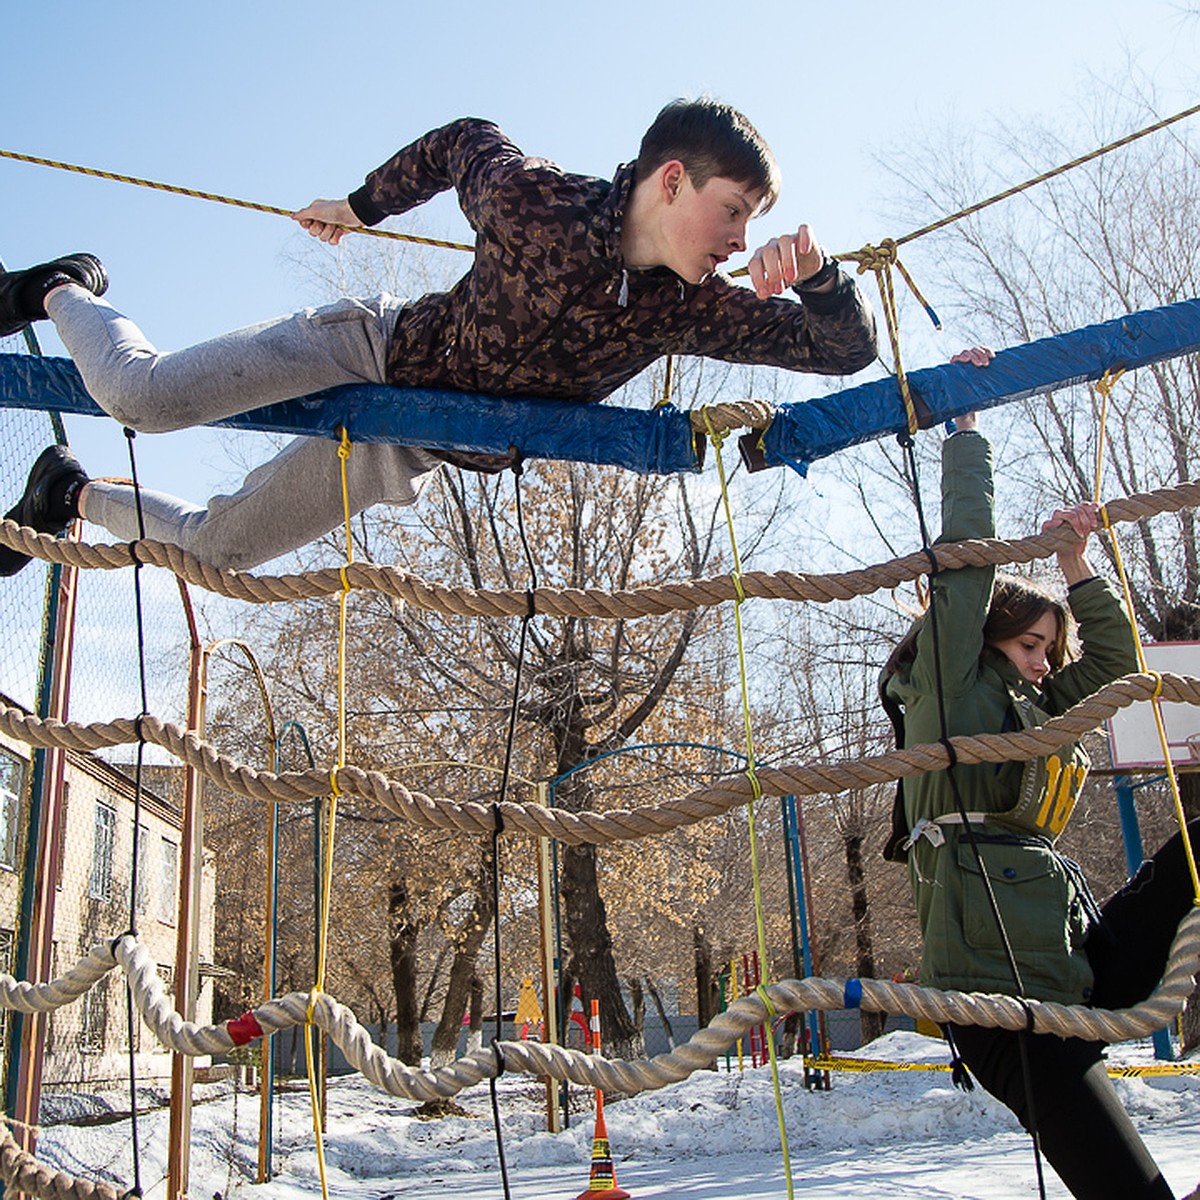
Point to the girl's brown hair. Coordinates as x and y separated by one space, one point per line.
1017 605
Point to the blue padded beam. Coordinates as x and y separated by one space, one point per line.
804 431
658 441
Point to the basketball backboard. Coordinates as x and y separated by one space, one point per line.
1133 733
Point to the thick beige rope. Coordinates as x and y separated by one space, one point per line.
789 995
578 602
20 1171
732 414
23 1173
806 779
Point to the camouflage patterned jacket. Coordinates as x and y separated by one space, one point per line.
548 308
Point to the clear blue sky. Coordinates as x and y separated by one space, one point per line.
280 103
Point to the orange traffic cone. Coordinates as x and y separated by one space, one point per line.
603 1182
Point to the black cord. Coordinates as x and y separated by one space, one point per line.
137 805
498 824
961 808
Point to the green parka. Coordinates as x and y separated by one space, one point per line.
1043 898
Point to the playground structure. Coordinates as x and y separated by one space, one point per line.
187 1037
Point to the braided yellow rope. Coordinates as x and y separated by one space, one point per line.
218 199
852 255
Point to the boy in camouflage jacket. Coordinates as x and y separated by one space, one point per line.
578 284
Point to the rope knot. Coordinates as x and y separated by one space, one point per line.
876 257
761 993
715 435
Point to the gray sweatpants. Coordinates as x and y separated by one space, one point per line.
291 499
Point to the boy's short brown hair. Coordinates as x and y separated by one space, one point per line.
711 139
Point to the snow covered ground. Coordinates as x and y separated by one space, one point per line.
712 1137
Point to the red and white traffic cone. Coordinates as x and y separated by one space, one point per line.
602 1184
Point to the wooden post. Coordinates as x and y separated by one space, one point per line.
41 930
266 1075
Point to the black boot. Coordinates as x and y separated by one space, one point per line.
23 293
50 501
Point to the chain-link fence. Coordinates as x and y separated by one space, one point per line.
112 855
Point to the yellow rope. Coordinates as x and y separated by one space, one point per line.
718 440
837 1062
668 381
881 263
1046 175
343 452
1104 386
218 199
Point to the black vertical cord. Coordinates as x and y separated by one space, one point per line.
498 825
136 1190
906 443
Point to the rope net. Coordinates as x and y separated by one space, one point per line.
78 1006
294 781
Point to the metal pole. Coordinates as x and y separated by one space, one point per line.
787 806
22 1071
264 1126
266 1079
44 836
1131 834
812 962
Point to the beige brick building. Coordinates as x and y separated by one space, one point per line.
88 1041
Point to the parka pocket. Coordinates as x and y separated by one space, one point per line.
1031 889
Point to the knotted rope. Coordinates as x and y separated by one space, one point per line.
534 820
580 602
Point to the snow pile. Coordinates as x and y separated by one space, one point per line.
712 1137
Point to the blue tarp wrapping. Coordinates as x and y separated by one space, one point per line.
658 441
807 430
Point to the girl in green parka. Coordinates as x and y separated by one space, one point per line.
1001 664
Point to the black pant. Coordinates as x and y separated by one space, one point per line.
1085 1134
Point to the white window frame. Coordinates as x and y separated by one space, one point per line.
141 834
12 784
104 839
168 879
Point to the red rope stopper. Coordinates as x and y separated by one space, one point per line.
244 1029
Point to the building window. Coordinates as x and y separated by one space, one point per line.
7 946
142 851
12 782
103 838
61 853
169 866
52 1023
93 1018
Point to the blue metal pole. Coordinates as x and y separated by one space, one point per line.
1131 834
793 836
